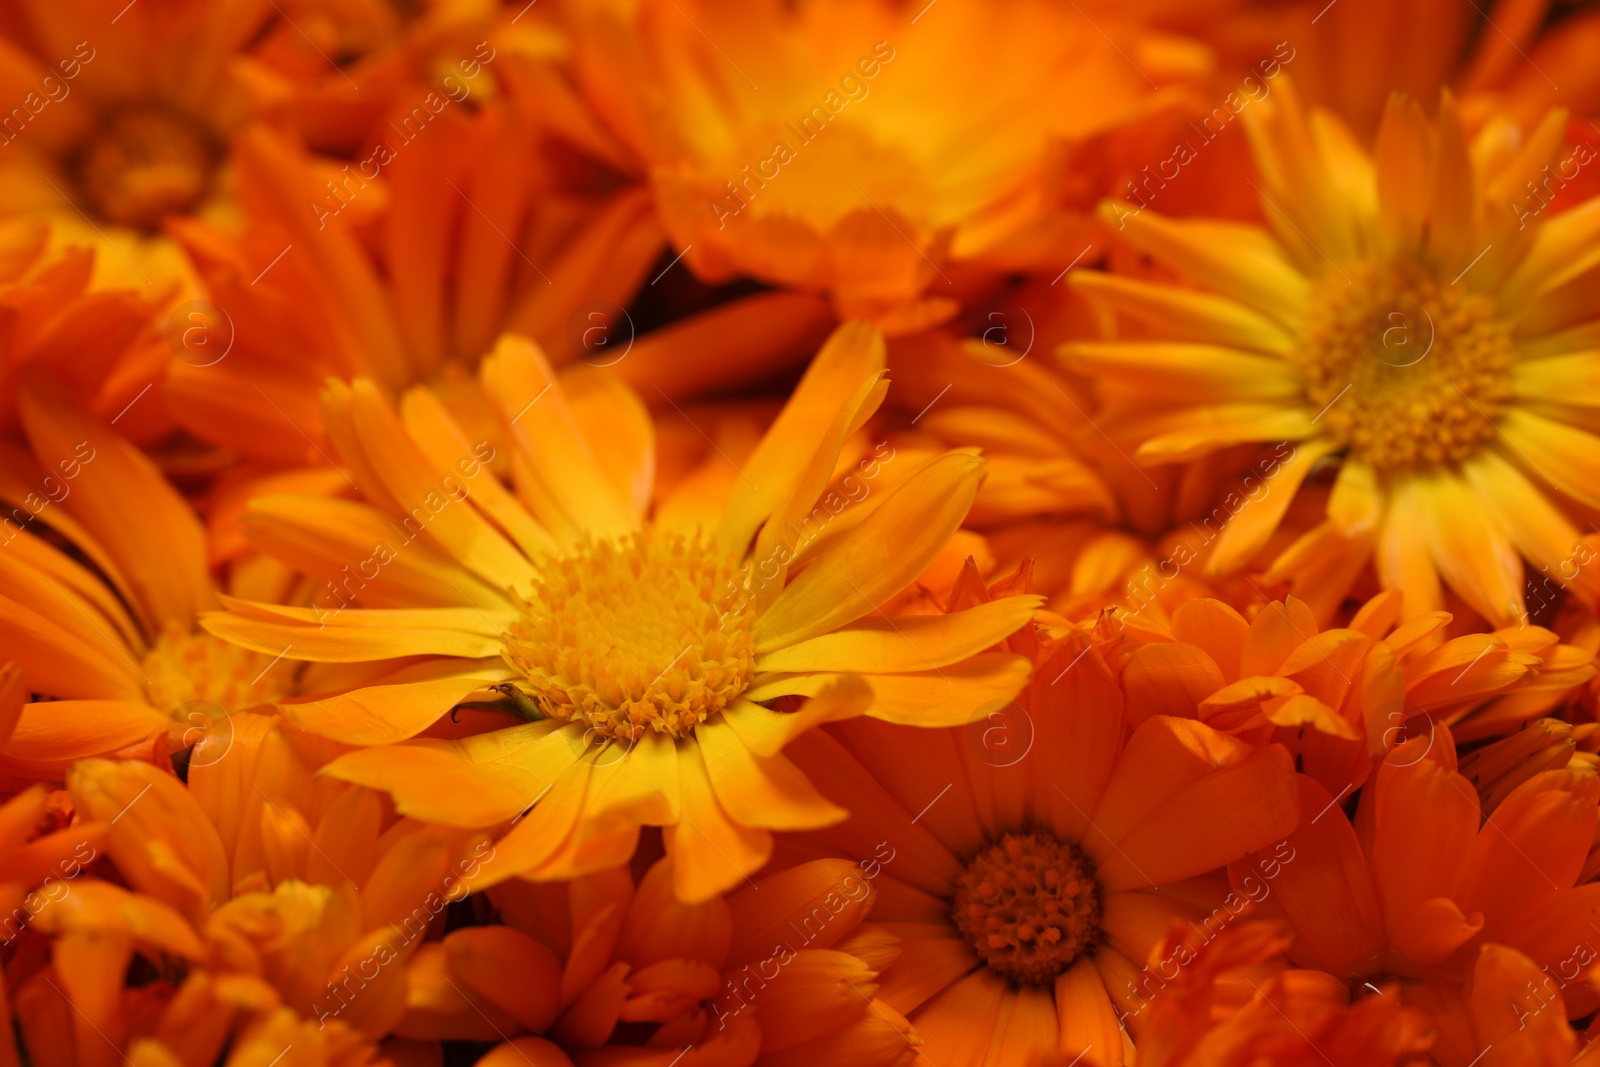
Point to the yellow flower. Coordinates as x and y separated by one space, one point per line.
1408 314
648 651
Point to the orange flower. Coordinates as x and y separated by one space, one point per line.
116 118
1343 697
799 145
269 907
105 631
781 973
1236 1002
1031 862
1419 891
1402 314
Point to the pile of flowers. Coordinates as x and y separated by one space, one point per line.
680 533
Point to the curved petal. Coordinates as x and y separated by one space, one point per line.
710 852
910 643
878 558
1208 825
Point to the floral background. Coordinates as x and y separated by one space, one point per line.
682 533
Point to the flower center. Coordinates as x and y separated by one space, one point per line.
1029 906
183 667
144 164
1406 371
649 632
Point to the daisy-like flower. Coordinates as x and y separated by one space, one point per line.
1407 314
646 649
105 628
1422 890
1040 856
1339 698
268 909
117 119
795 143
601 971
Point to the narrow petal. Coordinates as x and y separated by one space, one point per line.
765 791
711 852
858 573
911 643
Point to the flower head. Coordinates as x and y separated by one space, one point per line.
1401 313
1034 860
648 652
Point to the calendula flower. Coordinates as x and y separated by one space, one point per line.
1403 314
288 907
1038 857
1423 890
1342 697
1236 1002
600 970
794 143
116 120
105 628
646 650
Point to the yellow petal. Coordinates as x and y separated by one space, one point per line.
766 732
854 352
765 791
909 643
379 714
571 492
877 559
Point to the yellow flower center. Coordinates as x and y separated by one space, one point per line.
184 667
649 632
1403 369
146 163
1029 906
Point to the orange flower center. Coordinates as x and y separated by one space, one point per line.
1403 369
1029 906
146 163
650 632
183 668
